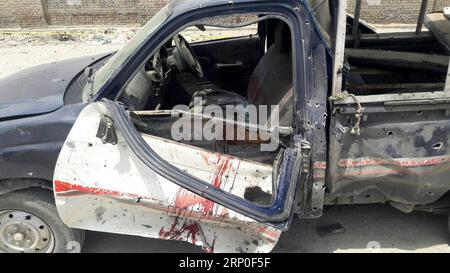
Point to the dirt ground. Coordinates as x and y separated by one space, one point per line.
20 49
368 228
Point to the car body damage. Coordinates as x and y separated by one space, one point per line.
351 116
389 126
122 169
376 131
406 160
107 187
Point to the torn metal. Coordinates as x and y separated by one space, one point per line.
123 191
406 159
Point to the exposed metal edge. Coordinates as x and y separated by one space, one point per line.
438 97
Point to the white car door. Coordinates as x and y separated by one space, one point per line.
111 178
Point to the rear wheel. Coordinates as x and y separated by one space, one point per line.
29 223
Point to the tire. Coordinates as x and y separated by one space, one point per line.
32 211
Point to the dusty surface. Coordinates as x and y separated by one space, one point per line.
373 225
379 226
22 49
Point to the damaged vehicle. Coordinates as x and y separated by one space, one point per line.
360 117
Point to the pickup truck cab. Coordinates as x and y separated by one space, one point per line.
219 142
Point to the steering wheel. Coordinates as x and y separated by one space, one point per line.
185 57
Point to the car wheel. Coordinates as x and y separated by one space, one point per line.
29 223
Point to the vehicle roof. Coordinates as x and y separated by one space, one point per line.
183 5
321 8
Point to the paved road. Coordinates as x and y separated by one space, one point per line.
392 230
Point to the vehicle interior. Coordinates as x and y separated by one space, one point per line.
250 66
405 62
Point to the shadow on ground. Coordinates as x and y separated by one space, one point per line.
375 225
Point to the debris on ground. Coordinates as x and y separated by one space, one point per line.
329 230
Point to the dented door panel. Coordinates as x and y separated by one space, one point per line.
106 187
402 154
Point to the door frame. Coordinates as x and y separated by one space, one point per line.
311 79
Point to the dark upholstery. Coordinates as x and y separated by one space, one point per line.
138 91
271 81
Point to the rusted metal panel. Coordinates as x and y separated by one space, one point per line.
107 188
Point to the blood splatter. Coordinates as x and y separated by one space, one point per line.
174 233
185 199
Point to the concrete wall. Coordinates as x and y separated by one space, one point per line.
37 13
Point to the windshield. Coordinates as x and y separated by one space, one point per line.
103 75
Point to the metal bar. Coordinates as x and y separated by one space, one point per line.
447 82
423 11
407 37
45 11
357 15
390 98
339 46
394 60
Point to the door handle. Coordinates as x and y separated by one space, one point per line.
238 64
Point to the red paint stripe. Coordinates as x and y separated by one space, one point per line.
61 187
320 165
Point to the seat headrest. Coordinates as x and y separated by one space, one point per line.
282 38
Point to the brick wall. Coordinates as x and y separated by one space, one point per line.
395 11
26 13
21 12
94 12
35 13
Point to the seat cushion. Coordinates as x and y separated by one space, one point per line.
138 91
